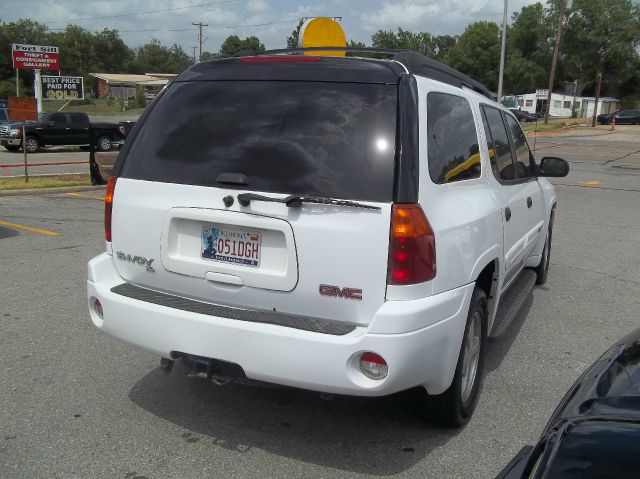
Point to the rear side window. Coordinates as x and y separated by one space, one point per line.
316 138
454 154
78 120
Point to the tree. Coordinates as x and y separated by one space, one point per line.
155 57
294 38
234 44
602 36
477 53
529 48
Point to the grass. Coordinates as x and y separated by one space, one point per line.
100 106
555 124
44 181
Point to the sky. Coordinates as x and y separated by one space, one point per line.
269 20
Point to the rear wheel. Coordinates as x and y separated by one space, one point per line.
33 144
455 406
103 143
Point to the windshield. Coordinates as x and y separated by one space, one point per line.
313 138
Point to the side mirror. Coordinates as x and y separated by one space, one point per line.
552 166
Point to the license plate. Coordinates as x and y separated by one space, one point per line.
231 245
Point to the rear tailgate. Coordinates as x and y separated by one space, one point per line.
300 250
276 138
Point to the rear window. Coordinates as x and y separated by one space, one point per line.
316 138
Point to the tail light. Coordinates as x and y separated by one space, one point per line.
412 246
108 204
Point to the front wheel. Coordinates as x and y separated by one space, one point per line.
455 406
33 144
542 270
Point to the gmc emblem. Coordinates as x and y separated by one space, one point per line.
336 291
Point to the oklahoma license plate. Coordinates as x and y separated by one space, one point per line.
231 245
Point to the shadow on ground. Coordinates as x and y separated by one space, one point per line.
380 436
7 232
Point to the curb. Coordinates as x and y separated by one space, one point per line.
50 191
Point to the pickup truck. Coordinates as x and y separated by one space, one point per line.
61 128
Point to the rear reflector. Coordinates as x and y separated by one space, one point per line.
108 204
280 58
412 247
373 366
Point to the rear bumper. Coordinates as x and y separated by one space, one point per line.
419 339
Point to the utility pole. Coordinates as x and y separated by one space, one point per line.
200 25
595 106
504 40
554 63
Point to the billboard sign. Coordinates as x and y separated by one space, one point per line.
62 88
22 108
35 57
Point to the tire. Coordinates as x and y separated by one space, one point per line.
455 406
103 143
542 270
33 144
12 147
96 176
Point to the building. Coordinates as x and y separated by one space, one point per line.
117 85
563 105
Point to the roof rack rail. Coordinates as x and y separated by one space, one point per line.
414 62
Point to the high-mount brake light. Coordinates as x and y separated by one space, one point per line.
108 205
279 58
412 247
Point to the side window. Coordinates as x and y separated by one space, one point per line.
521 148
59 119
3 115
499 149
78 120
454 154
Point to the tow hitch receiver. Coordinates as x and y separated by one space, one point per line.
217 371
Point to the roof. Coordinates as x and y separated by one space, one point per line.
296 68
349 69
130 78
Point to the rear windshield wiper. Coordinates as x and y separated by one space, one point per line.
295 201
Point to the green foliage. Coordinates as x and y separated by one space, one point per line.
422 42
234 44
294 38
140 101
477 53
153 57
602 36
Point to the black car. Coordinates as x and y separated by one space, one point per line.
595 430
523 116
623 117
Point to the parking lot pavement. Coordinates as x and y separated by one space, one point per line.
74 403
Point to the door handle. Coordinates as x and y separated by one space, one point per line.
529 202
507 213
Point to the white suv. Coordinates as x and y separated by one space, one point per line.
339 224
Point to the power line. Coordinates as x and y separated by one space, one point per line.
150 11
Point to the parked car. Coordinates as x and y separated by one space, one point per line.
523 116
318 232
60 128
101 162
623 117
595 430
